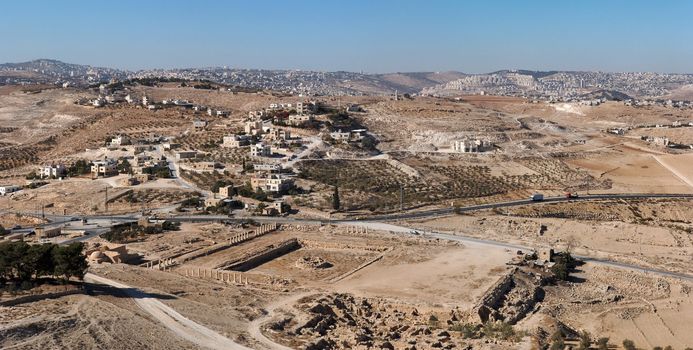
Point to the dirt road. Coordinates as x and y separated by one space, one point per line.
255 326
177 323
674 171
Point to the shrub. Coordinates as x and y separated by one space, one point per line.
433 321
585 341
629 344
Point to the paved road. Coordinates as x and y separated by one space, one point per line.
379 222
177 323
388 217
446 211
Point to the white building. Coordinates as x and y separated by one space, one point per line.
340 136
297 119
120 140
472 146
53 171
235 141
5 189
200 124
106 167
253 127
256 114
186 155
98 102
260 150
279 134
348 136
271 183
267 167
661 141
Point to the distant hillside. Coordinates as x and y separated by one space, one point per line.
401 82
310 82
415 82
528 83
52 71
609 95
564 84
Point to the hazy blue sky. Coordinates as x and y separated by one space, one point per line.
369 35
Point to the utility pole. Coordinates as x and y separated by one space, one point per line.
401 198
105 203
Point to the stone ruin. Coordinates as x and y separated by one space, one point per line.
313 263
343 321
510 298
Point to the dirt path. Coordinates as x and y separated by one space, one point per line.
255 326
177 323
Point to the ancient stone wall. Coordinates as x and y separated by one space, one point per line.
266 255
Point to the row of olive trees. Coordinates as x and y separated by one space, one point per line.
21 262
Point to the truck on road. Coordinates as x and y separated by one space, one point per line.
537 197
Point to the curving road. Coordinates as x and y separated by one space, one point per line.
380 222
446 211
177 323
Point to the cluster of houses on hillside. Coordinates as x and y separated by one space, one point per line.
108 97
355 135
661 141
472 145
267 135
658 102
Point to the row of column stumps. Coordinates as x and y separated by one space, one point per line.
263 229
357 229
217 274
160 264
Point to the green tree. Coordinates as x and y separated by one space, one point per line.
557 341
585 340
603 343
79 167
336 204
69 261
38 261
629 344
124 166
218 184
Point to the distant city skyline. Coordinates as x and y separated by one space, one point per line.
369 36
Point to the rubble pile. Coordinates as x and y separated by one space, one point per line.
344 321
313 262
510 298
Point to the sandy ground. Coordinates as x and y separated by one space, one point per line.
175 322
636 173
649 245
456 276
